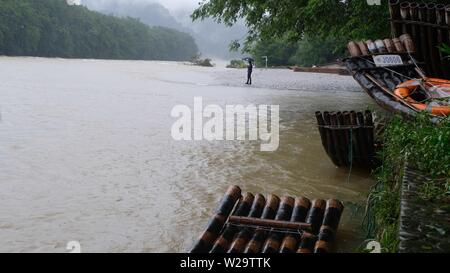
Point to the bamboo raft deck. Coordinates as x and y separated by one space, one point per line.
348 138
248 223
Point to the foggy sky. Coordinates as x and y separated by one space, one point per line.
172 5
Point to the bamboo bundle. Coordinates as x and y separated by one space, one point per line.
210 235
286 225
428 25
243 209
291 241
403 44
270 212
347 137
329 226
273 243
242 238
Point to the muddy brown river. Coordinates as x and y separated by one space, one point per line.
86 152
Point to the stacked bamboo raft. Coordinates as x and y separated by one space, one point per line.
247 223
380 82
429 26
348 137
402 45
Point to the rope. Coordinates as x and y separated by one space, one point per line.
400 74
278 230
350 157
344 127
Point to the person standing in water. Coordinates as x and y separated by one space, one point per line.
249 72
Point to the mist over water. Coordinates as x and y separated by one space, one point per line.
87 154
213 39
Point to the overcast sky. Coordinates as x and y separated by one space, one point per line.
177 4
172 5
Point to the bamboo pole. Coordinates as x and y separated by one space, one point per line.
415 30
214 227
427 56
291 242
394 10
307 243
433 40
336 140
315 215
269 213
362 141
321 124
274 240
266 223
405 15
243 209
329 227
370 133
331 148
241 239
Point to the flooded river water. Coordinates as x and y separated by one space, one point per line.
86 152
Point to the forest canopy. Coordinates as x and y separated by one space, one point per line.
300 31
51 28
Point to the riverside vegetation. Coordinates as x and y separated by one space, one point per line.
426 147
51 28
302 32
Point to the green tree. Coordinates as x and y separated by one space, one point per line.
352 19
51 28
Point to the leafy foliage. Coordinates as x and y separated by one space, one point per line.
445 49
312 51
427 148
313 24
278 51
352 19
198 61
307 52
51 28
237 64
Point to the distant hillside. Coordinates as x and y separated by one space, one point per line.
213 39
152 14
51 28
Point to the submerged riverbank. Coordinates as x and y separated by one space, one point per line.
87 153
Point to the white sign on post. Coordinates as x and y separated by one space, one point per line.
387 60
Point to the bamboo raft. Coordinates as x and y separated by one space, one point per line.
429 26
348 138
380 82
247 223
421 28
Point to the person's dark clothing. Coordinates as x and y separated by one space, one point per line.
249 73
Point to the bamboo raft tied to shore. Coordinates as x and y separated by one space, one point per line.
348 138
418 29
428 24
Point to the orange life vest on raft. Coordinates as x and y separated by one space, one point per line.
407 89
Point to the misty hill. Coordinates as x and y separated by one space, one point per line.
152 14
51 28
213 39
